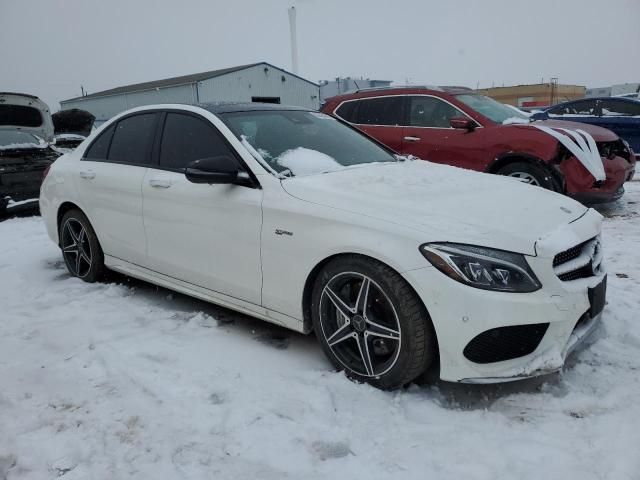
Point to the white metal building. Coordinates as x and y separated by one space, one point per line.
256 82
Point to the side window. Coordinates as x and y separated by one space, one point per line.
380 111
583 107
100 147
431 112
132 139
616 108
347 111
186 138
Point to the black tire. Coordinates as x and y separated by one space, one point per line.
86 261
414 346
540 175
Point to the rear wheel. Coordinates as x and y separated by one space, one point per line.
532 174
370 323
80 247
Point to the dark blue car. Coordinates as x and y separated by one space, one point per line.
620 115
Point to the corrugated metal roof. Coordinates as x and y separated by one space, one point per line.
174 81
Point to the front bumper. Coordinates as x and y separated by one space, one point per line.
461 313
581 186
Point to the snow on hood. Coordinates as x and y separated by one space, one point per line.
13 107
304 161
516 120
446 203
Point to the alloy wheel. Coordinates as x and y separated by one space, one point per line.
360 324
525 177
76 248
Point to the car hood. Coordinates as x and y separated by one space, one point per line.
599 134
19 111
446 203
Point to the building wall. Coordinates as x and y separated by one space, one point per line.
598 92
613 90
106 107
259 81
534 95
238 86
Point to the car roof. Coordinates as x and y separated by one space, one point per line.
620 99
230 107
444 92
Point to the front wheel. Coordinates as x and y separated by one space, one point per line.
80 247
370 323
531 174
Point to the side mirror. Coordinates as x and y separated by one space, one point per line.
462 123
217 170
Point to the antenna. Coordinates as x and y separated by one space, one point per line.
294 40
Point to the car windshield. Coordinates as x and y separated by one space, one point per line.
492 109
296 142
16 139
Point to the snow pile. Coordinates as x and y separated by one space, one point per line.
304 161
125 380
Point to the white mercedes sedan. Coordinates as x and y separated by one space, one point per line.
296 218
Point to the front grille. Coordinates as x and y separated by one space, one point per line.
505 343
582 261
567 255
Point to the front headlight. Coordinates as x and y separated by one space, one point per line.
482 267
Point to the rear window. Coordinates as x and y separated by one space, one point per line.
380 111
346 111
100 147
21 115
132 139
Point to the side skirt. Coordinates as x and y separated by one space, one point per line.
201 293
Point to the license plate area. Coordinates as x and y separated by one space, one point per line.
597 297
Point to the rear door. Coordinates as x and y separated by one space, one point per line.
109 181
380 117
428 134
207 235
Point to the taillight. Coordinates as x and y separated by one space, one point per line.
46 171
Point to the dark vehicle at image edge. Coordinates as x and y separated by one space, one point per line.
457 127
26 133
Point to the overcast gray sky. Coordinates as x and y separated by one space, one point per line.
51 47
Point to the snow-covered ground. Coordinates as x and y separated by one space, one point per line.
125 380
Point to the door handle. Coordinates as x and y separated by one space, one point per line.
411 139
160 183
87 174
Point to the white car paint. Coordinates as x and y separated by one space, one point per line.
45 130
386 211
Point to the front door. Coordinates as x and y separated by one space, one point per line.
206 235
428 134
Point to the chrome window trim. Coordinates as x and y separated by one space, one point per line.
335 110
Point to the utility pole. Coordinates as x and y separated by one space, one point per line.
294 40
